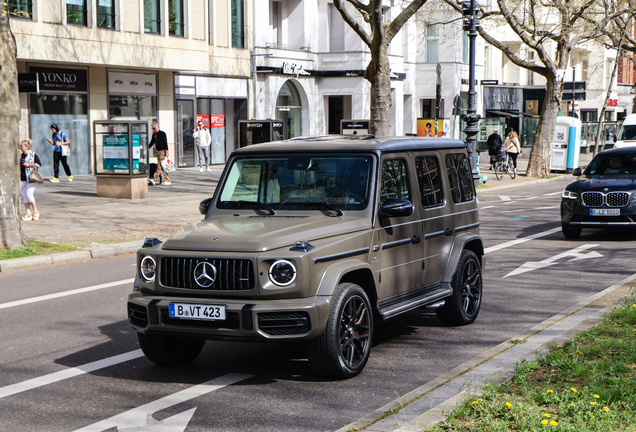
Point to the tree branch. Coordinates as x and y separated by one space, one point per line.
351 21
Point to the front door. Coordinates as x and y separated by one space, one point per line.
398 239
185 128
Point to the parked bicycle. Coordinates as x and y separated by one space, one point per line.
504 166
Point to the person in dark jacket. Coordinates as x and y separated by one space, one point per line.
494 146
160 140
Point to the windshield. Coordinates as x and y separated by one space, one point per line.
308 181
621 164
628 132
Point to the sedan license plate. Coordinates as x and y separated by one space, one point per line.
197 312
605 212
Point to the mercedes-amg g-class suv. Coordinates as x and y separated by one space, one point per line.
310 240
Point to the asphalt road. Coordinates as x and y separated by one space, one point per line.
61 364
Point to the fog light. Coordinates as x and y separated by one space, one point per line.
147 268
282 273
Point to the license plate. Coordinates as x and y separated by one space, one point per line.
605 212
197 312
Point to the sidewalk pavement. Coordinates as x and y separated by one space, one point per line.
71 213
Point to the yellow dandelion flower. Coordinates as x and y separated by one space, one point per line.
597 396
634 305
550 391
480 400
508 404
571 404
473 402
558 346
547 415
606 408
592 403
554 423
544 422
573 389
578 352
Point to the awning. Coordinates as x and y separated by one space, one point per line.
504 114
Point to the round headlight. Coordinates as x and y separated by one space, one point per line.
147 268
282 273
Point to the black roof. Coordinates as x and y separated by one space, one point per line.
340 143
621 150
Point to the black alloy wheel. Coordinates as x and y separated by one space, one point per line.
343 349
569 231
463 306
169 350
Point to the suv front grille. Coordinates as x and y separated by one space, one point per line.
612 199
137 314
231 274
284 323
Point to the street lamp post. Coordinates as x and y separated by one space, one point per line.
469 9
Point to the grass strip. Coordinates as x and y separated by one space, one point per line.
586 384
34 248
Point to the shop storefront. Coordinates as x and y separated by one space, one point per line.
132 96
219 102
61 98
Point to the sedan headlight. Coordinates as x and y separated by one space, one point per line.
282 273
147 268
569 194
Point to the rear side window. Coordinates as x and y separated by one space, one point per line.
460 177
395 180
429 180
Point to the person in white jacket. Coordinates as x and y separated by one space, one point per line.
202 141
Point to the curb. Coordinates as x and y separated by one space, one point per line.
605 301
521 184
39 261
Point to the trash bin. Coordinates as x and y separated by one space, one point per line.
565 149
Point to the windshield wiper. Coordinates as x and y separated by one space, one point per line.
329 207
261 205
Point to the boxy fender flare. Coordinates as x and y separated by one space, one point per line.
464 241
332 276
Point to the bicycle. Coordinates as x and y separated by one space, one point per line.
504 166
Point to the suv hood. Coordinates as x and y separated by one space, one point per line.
260 233
583 184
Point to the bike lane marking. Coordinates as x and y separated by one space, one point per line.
521 240
65 293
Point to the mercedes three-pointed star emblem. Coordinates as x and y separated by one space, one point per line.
204 274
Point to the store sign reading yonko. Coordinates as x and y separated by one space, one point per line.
58 79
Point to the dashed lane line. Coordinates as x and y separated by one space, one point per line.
521 240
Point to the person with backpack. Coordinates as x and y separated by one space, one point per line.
494 146
61 152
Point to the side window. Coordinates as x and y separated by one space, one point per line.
395 180
460 177
429 180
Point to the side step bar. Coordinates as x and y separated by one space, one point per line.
411 301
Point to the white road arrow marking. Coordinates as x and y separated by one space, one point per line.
137 419
576 253
176 423
504 198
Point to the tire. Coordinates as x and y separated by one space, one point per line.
570 232
499 171
168 350
462 307
512 171
343 349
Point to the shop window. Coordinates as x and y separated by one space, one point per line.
176 23
212 112
428 108
429 181
460 178
106 14
21 9
132 107
76 12
589 115
238 26
432 43
152 16
289 110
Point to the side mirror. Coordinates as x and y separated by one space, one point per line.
204 205
577 172
394 207
615 138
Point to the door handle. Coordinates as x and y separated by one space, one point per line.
448 231
416 239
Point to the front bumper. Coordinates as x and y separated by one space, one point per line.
573 212
271 320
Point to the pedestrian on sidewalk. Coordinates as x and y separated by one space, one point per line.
494 146
513 146
61 152
29 162
159 139
202 141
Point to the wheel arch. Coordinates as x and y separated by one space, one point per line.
467 241
353 271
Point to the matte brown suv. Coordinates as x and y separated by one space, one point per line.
309 240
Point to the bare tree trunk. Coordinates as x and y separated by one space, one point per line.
10 231
378 74
539 163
